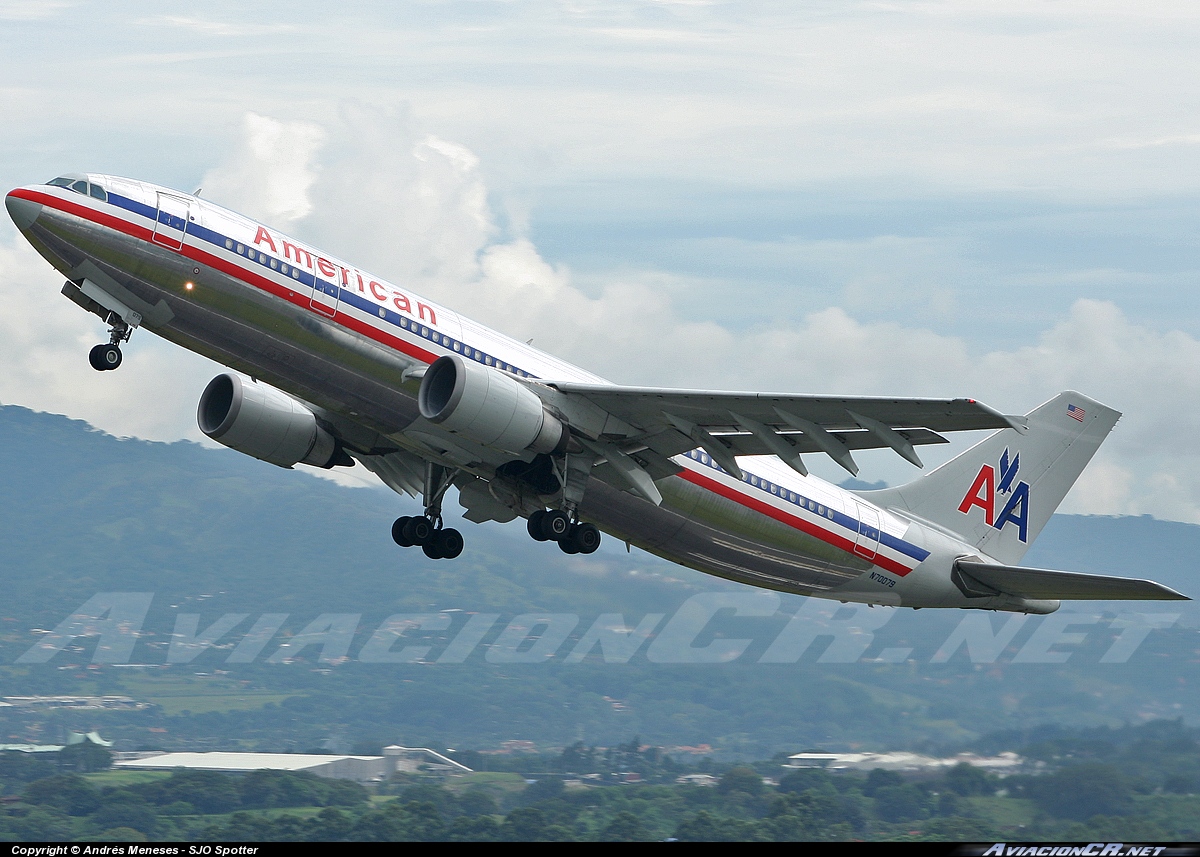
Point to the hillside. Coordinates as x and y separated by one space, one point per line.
211 532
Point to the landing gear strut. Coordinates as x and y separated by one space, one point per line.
556 526
426 530
104 357
563 525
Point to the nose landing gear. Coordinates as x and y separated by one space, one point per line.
105 357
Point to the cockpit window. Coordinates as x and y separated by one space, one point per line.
80 186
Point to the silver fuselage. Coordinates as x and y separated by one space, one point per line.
348 342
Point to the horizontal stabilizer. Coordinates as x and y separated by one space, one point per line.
1062 585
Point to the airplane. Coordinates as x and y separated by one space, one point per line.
333 365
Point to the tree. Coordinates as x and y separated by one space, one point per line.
705 827
71 793
625 827
125 812
1082 791
209 792
878 779
477 802
904 802
805 779
968 780
84 758
741 779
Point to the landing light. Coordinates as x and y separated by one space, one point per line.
189 286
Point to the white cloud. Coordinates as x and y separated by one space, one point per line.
209 27
414 207
269 174
433 226
44 344
24 10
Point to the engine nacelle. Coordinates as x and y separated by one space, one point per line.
489 407
262 422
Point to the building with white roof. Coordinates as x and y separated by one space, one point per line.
361 768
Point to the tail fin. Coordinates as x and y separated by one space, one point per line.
999 494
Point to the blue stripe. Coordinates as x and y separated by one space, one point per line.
415 327
396 319
850 523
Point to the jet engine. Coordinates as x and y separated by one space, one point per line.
262 422
489 407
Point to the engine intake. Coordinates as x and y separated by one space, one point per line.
265 423
489 407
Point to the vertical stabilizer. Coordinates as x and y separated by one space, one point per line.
999 494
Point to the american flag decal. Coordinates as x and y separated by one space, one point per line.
1076 413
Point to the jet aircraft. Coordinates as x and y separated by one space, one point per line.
333 365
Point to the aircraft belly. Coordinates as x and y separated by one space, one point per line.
338 369
719 537
328 365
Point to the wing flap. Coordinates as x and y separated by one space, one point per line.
1065 585
748 444
726 424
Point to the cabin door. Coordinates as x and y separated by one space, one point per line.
174 214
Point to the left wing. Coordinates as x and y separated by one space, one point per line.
669 422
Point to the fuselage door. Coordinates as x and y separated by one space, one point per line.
866 544
174 213
325 294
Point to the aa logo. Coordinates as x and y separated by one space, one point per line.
992 485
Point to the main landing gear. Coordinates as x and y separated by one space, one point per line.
105 357
436 541
556 526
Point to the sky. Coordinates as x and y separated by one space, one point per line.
997 200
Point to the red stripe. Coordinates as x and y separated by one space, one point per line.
70 207
236 271
270 286
783 517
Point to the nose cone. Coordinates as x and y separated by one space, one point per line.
22 211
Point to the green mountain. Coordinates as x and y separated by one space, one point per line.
203 533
